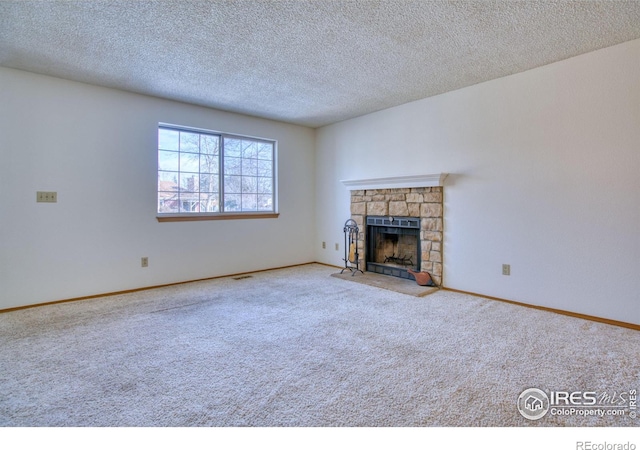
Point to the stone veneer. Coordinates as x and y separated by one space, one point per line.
423 202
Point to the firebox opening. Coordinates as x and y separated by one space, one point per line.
393 245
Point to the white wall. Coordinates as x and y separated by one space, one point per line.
545 176
97 148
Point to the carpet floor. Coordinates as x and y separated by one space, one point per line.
298 347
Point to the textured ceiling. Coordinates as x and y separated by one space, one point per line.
310 62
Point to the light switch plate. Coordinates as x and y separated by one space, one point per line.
46 197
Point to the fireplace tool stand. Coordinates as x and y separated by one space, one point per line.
351 255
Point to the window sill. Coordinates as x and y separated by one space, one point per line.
221 216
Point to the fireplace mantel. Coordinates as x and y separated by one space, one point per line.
411 181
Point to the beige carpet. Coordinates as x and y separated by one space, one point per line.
401 285
298 347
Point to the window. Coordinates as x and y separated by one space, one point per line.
202 173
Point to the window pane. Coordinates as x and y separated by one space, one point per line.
168 181
249 202
208 202
168 160
168 139
232 166
232 184
232 147
209 144
189 162
189 204
209 164
249 185
189 142
250 167
265 202
249 149
189 182
265 186
167 202
232 202
209 183
265 151
265 168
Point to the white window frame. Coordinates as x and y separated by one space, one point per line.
183 196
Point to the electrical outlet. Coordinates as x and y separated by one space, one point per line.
337 246
144 261
46 197
324 244
506 269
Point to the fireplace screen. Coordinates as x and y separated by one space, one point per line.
393 245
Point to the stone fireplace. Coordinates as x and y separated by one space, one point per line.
422 202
